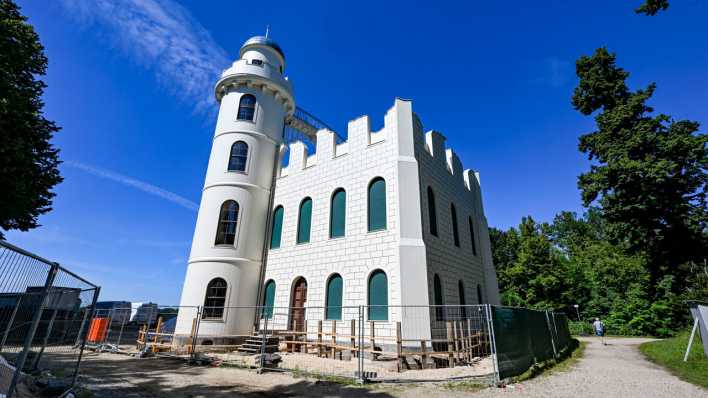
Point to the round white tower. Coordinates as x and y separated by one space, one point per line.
227 250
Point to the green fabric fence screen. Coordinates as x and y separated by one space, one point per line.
524 337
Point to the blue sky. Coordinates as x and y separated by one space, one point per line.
130 85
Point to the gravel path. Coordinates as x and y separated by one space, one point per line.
615 370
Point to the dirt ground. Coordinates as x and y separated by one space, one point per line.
108 375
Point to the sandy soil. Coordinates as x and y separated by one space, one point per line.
385 369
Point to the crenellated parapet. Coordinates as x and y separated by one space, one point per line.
360 137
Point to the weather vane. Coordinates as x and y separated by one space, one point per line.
267 30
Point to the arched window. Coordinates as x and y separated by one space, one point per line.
377 204
337 215
238 157
304 221
277 231
438 296
455 233
463 302
474 243
378 296
479 295
228 218
246 107
268 299
432 213
333 301
215 299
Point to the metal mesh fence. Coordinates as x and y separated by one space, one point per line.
44 315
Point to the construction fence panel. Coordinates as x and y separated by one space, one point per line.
45 312
525 337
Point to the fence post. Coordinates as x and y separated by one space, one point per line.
120 333
550 331
195 338
92 310
319 338
450 347
352 337
423 355
264 339
372 333
20 362
399 357
492 342
360 362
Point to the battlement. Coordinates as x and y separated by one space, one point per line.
394 133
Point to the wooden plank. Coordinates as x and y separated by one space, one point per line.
319 338
399 358
352 339
334 339
423 355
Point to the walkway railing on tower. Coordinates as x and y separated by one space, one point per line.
303 126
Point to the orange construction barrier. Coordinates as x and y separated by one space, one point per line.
97 330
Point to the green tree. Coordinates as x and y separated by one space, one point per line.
648 173
651 7
28 161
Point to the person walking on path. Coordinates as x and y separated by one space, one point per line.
599 329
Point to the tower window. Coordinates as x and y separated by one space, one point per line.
228 218
378 296
215 299
246 107
377 204
257 62
338 209
455 233
333 301
432 215
277 227
238 157
304 221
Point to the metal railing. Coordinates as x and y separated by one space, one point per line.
45 314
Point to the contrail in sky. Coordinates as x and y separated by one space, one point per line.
132 182
162 36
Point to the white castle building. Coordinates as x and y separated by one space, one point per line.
387 218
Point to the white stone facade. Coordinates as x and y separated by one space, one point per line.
408 160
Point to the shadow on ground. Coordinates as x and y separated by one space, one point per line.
112 375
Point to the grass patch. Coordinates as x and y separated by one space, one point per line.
298 373
565 364
466 386
669 354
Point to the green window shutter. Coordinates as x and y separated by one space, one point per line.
377 205
277 228
378 296
334 298
269 299
338 214
303 225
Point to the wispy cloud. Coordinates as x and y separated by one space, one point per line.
162 36
555 72
132 182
